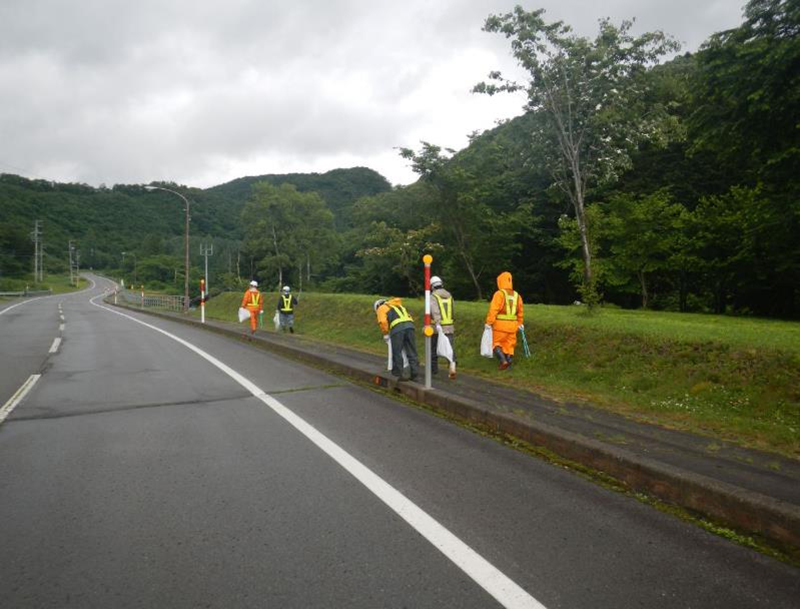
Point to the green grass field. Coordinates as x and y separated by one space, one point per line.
730 378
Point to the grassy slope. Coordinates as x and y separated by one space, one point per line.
732 378
58 283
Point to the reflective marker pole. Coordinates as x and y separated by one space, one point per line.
428 331
203 300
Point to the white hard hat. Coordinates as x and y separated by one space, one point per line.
286 288
254 283
378 303
436 281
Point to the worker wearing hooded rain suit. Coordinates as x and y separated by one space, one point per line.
252 302
505 318
398 327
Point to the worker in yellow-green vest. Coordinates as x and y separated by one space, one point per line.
286 304
443 316
397 327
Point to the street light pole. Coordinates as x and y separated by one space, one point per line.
186 245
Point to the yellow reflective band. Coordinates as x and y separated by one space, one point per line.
402 315
287 304
511 307
446 309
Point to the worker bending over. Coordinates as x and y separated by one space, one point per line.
397 327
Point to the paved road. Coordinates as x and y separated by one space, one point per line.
141 471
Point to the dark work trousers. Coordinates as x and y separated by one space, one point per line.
403 340
434 344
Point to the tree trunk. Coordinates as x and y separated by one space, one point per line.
580 216
643 282
462 250
277 256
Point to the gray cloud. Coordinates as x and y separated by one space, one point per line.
204 91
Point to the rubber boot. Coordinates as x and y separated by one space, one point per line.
502 357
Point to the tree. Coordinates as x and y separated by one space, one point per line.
285 229
747 90
646 237
591 96
478 235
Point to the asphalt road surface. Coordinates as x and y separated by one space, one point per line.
157 465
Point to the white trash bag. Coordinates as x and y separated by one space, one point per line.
244 314
486 343
389 360
443 346
276 321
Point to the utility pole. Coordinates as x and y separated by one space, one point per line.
71 248
206 251
77 267
36 236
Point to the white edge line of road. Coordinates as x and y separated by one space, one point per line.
18 396
486 575
56 343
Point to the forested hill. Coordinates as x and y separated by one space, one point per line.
104 222
340 188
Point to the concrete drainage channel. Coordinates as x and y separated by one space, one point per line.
741 509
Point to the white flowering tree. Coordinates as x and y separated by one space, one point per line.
592 98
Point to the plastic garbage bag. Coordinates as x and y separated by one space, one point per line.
443 346
486 342
389 360
244 314
276 321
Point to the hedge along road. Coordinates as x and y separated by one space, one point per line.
183 469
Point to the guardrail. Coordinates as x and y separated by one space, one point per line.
158 302
27 293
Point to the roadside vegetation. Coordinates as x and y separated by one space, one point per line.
731 378
59 284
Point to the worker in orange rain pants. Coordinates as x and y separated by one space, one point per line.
505 318
252 302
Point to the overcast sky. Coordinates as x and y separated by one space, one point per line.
203 91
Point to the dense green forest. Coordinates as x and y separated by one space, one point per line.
636 176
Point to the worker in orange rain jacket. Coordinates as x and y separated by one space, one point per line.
252 302
505 318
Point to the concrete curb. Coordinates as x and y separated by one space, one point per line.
739 508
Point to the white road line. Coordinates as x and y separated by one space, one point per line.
486 575
56 343
18 396
61 327
16 305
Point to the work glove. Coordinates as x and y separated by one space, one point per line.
439 329
521 328
487 327
386 338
